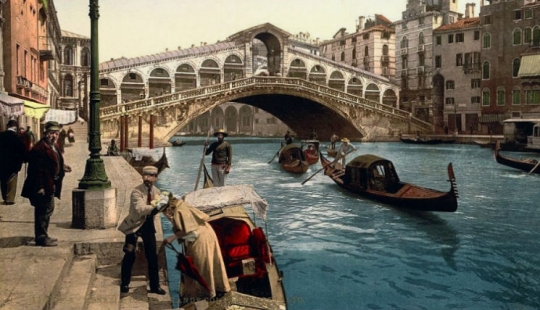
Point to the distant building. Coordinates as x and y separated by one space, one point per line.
371 47
414 52
456 74
75 73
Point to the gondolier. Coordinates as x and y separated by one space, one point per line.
221 157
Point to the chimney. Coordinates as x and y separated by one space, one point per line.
360 23
469 10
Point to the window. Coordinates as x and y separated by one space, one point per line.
516 96
527 13
487 19
421 20
404 43
450 38
475 83
486 41
500 97
475 99
517 36
449 100
515 67
485 97
527 36
404 62
438 61
517 15
421 38
366 36
532 96
450 84
459 60
485 71
438 40
536 36
476 35
342 56
68 56
460 37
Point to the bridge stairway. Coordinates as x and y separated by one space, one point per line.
88 284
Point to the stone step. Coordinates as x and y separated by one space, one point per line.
105 290
75 286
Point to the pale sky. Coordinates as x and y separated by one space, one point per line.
132 28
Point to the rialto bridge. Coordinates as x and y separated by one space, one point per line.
159 94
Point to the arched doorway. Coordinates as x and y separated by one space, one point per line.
231 119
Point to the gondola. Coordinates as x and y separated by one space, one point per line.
376 178
421 141
252 271
178 142
330 151
292 159
139 158
529 165
311 151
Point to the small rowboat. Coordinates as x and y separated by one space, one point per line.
311 151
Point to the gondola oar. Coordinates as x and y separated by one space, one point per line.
277 153
335 160
202 161
534 168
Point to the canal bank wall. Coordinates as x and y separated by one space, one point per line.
83 271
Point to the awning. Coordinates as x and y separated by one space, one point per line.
63 117
492 118
34 109
529 66
11 106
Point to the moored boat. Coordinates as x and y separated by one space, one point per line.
420 141
529 165
178 142
250 265
292 159
311 151
141 157
376 178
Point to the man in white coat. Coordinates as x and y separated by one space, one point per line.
145 202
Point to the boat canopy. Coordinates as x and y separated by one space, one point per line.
365 161
212 198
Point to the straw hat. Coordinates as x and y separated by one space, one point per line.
345 140
150 170
221 131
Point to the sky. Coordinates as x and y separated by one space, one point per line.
131 28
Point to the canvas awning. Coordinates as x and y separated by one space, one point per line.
11 106
61 116
34 109
492 118
529 66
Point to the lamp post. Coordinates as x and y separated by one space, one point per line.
95 176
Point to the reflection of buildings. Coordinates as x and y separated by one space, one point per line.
238 119
75 73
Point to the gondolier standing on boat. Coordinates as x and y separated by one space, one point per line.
343 150
221 157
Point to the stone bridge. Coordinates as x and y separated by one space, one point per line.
261 66
300 104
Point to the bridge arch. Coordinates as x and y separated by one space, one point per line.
317 74
218 115
159 81
297 69
246 119
233 68
209 72
355 87
337 81
231 119
133 86
373 92
107 89
185 76
274 48
390 98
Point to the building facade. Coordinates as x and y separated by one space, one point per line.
414 52
510 45
371 47
75 73
456 75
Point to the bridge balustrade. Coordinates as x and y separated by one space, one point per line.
111 112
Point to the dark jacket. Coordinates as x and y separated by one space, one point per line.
222 153
13 153
44 171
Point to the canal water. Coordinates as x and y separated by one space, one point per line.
341 251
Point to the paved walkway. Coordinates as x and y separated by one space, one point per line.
30 275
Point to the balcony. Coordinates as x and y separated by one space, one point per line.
471 68
404 51
45 52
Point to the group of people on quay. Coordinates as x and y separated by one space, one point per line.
44 172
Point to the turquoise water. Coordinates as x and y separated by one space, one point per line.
341 251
